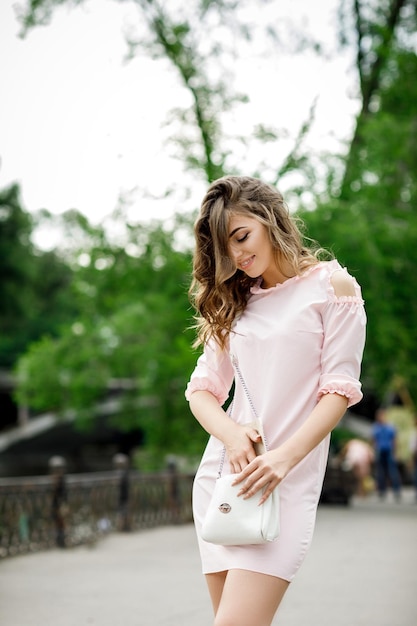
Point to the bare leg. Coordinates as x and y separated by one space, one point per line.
215 584
245 598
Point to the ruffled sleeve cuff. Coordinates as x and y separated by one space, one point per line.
213 373
342 385
203 384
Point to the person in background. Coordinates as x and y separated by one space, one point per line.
413 450
359 455
295 327
384 438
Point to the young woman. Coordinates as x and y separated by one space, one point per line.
296 327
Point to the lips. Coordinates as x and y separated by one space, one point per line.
247 263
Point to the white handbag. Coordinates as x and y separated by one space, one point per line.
232 520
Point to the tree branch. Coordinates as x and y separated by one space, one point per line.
370 83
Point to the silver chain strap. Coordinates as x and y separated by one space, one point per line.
246 390
229 412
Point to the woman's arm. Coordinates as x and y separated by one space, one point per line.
269 469
238 440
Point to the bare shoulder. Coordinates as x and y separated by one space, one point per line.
342 283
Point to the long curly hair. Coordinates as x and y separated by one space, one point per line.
219 291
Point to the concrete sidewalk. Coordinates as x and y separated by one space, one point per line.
361 571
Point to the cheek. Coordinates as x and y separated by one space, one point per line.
232 251
266 244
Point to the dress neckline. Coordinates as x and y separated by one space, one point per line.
258 289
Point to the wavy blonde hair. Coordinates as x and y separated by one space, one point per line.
219 291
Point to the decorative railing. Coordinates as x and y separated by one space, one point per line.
37 514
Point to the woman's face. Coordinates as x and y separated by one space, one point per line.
251 249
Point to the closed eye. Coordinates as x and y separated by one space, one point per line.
243 238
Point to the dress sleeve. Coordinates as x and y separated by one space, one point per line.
213 373
344 322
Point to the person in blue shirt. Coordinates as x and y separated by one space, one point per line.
413 451
387 473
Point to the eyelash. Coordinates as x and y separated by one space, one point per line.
243 238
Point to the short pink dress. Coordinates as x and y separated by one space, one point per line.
293 343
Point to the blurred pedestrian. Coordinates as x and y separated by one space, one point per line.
413 450
295 325
385 439
359 455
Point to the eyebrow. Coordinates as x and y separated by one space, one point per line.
236 230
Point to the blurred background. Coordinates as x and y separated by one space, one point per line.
115 116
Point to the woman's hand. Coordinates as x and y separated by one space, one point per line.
264 471
269 469
240 448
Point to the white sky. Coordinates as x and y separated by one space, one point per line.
78 126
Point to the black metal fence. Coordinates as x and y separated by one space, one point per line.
37 513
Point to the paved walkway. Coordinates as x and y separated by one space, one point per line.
361 571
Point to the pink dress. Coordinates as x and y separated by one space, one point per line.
294 342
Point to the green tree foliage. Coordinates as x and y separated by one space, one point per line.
132 294
130 338
15 270
380 29
34 285
372 225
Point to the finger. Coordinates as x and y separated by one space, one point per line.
257 482
234 468
251 456
268 491
238 467
244 465
251 485
255 436
244 473
250 491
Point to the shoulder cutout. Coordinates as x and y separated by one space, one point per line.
342 284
